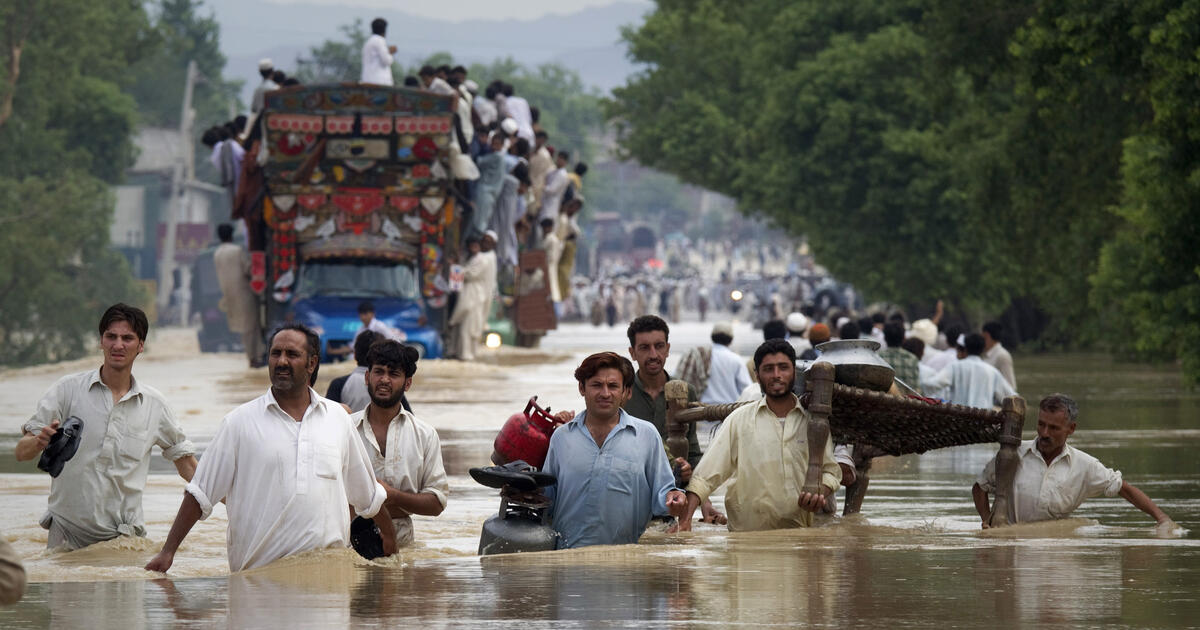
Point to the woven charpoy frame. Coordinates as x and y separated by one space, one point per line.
899 426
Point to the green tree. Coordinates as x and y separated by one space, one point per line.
65 139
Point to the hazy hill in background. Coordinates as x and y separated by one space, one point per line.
587 41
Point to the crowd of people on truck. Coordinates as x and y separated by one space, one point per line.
518 191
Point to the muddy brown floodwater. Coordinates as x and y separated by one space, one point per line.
915 557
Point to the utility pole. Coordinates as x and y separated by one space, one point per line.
181 170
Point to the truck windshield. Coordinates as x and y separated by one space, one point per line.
356 279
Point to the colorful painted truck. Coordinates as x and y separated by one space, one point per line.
356 209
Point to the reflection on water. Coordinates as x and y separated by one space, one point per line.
762 579
915 558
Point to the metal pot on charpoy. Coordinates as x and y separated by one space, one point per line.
856 364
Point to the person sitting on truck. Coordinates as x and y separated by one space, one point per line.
430 81
377 55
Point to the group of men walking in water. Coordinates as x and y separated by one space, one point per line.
288 463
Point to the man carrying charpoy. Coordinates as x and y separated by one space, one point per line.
1053 478
763 447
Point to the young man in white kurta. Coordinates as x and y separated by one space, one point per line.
766 455
412 462
405 452
286 484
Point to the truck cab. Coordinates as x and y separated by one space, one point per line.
329 291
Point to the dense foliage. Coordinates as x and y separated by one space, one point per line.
76 79
1034 153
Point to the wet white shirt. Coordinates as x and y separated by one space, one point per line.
1044 492
376 61
413 462
727 376
972 382
286 484
768 461
98 495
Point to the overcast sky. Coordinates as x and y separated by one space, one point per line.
470 9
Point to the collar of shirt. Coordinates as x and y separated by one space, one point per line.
637 384
363 424
622 423
134 389
314 399
1031 447
762 404
973 356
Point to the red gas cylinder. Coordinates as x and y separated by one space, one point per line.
524 436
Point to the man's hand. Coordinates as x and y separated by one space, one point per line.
685 469
985 525
33 443
44 436
710 514
389 545
677 504
564 417
811 502
161 562
392 49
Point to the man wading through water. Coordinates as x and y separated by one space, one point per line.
286 464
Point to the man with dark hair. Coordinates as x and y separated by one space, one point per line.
925 373
286 464
849 331
995 354
377 55
518 109
432 82
238 302
969 381
941 359
97 495
902 361
1053 478
366 315
556 183
612 469
404 451
763 447
649 346
354 393
540 165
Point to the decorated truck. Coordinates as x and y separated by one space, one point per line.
356 209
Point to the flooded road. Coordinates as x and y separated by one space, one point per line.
915 558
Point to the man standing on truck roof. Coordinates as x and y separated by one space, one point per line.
377 55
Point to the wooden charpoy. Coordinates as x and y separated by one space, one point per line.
876 423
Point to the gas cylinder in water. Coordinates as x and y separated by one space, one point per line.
517 528
524 436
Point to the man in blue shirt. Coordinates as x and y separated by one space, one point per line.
612 469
